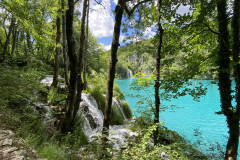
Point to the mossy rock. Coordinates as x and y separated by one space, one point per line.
116 117
126 110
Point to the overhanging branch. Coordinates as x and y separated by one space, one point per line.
130 12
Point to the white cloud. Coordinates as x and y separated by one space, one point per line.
149 32
108 47
115 1
101 19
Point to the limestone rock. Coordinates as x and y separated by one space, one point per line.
6 142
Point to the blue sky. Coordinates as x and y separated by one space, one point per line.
101 21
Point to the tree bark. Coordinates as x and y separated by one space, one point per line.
65 59
17 42
67 120
5 48
15 38
57 52
228 110
85 52
233 120
80 60
112 67
157 81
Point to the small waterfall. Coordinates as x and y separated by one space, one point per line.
129 74
119 107
93 117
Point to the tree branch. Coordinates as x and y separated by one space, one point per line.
130 12
100 4
76 2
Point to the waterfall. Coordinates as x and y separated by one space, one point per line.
129 74
93 117
119 107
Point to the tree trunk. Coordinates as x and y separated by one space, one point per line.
85 52
225 82
57 53
15 38
233 120
29 47
5 48
66 122
157 82
233 140
80 59
17 42
112 67
65 59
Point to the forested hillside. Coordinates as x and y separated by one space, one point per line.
60 59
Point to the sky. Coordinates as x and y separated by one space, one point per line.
101 21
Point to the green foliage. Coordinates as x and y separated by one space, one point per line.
126 110
98 96
77 137
18 86
55 97
117 93
116 117
143 149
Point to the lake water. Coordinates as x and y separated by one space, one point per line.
191 115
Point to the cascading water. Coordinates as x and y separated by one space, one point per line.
93 117
115 102
129 74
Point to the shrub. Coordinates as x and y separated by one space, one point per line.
117 93
55 97
116 117
126 110
98 96
18 87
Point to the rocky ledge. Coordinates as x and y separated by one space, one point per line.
11 149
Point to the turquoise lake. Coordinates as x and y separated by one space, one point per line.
190 115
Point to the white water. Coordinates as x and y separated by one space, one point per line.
129 74
93 117
115 102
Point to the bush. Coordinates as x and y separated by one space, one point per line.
116 117
55 97
126 110
98 96
117 93
18 87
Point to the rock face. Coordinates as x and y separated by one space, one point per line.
11 150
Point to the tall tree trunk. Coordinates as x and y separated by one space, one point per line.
66 122
158 65
57 52
233 120
225 82
5 48
15 39
80 59
112 67
65 59
26 50
85 52
29 47
17 42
